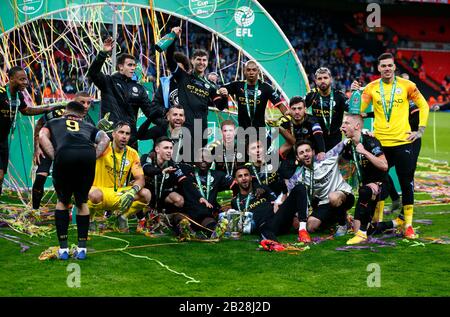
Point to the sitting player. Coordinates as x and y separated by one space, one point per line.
200 190
329 195
270 219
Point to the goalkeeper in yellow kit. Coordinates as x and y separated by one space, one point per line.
113 170
390 97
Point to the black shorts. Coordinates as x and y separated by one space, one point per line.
45 165
4 155
73 174
329 215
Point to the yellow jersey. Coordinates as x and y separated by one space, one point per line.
394 131
115 167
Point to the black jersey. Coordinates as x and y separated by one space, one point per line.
369 173
268 176
8 108
218 181
261 206
121 96
309 130
321 110
226 160
195 93
71 132
158 183
248 114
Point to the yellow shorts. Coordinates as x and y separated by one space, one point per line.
111 199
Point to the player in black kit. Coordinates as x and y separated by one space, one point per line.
328 107
195 92
13 99
301 127
270 220
200 189
70 142
43 162
251 96
371 168
122 97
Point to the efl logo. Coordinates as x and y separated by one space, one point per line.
29 6
244 17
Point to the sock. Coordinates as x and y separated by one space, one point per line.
62 227
378 215
408 212
38 190
302 226
83 229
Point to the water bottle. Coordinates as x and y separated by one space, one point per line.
165 42
355 102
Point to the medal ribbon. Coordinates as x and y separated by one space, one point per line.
328 123
255 98
257 176
208 184
357 158
388 111
247 202
122 166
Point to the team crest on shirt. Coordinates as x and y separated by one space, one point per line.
127 162
166 176
304 131
207 86
398 91
239 155
270 167
210 179
258 93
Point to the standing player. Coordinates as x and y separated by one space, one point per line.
43 162
69 141
195 92
251 96
390 97
371 169
12 99
328 106
122 97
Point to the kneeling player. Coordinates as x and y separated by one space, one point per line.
112 170
69 141
371 167
162 178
